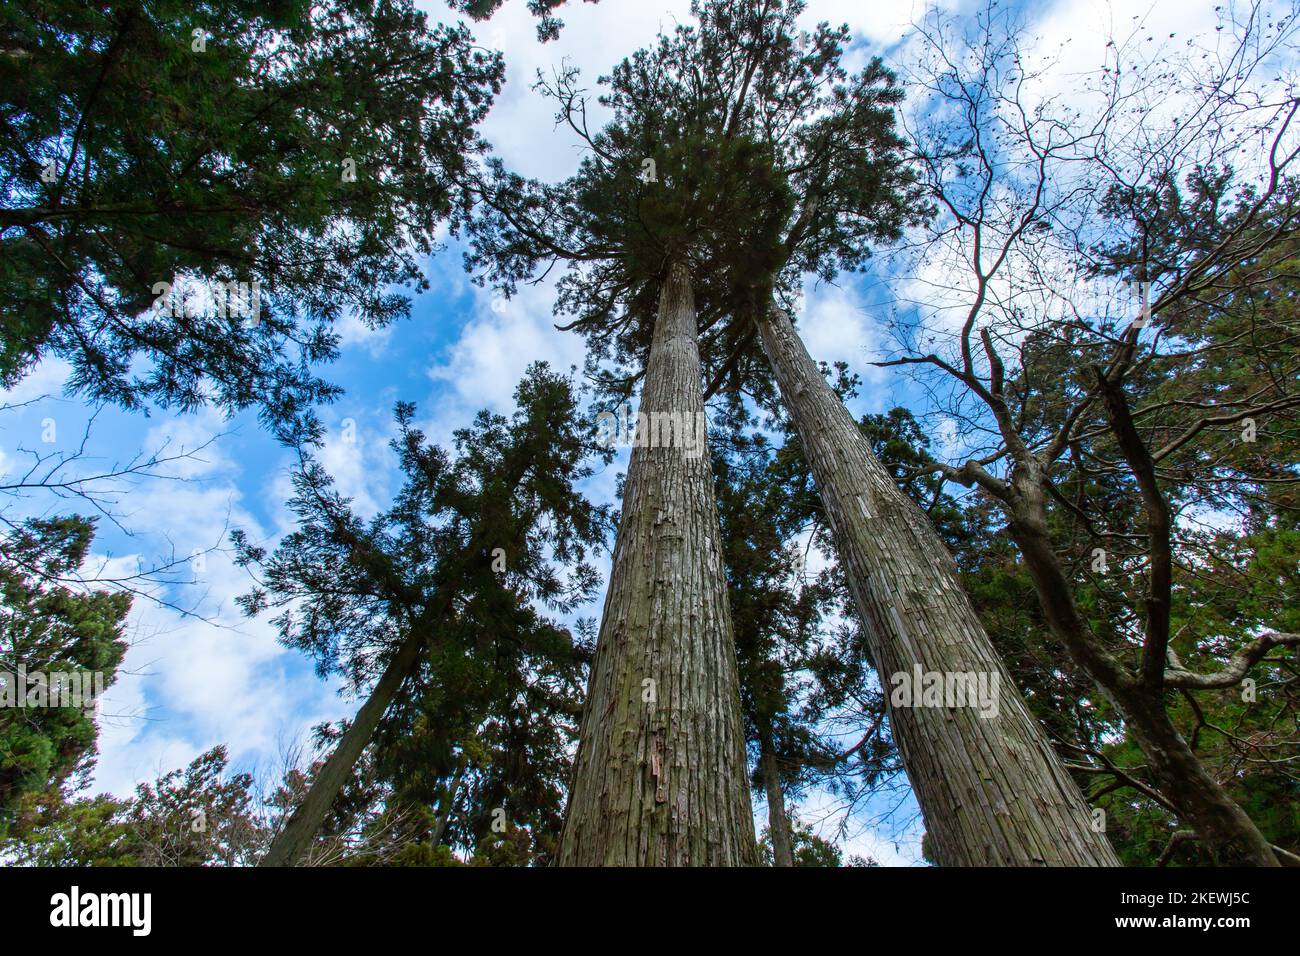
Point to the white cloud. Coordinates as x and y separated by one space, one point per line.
836 327
353 333
191 682
503 337
874 24
521 126
47 378
356 455
192 441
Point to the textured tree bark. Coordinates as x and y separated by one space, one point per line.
293 841
778 823
990 786
660 775
1223 827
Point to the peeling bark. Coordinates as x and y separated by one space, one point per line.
992 789
660 775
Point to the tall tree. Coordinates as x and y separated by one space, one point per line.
1136 376
794 669
435 594
748 147
659 778
310 149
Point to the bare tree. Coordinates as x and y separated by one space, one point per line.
76 478
1111 426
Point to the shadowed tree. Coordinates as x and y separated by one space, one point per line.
805 682
774 612
435 594
746 152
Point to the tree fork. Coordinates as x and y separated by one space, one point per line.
991 788
1222 826
660 775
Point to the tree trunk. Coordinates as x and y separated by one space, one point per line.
293 841
448 803
1223 828
660 775
990 786
778 824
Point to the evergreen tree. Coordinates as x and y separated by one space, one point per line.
548 24
439 595
810 850
805 681
747 156
659 778
303 151
51 632
775 614
199 816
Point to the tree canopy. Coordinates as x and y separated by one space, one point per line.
474 548
739 145
304 152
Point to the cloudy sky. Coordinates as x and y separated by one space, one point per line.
190 682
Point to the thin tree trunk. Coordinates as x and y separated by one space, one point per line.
293 841
778 823
1223 827
660 775
992 789
449 803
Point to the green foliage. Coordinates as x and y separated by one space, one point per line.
1234 539
775 612
51 626
200 816
134 153
732 147
809 694
467 555
809 849
548 25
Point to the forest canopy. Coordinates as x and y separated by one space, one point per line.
953 512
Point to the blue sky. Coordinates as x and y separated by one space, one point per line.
190 682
